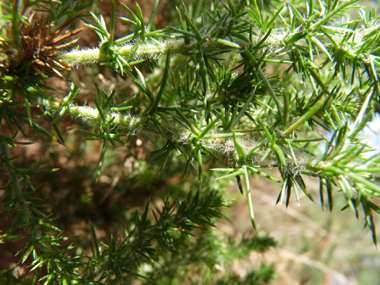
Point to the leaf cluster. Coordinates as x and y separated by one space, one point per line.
236 87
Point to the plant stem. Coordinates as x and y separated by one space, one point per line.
92 114
219 142
149 49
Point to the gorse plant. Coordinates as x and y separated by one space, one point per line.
230 91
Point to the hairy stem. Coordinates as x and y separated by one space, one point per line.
149 49
89 114
222 143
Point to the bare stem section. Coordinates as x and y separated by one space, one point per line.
138 50
91 115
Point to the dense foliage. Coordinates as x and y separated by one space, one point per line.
228 90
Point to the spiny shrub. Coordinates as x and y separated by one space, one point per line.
229 90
